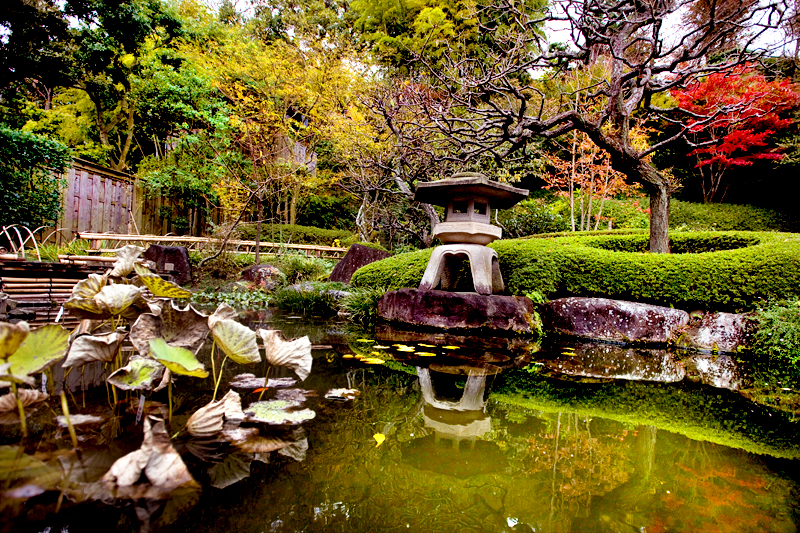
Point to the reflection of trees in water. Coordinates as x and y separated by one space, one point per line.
579 464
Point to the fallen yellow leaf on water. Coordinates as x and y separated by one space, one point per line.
379 438
425 354
405 349
379 347
426 345
375 353
373 361
347 356
451 347
365 340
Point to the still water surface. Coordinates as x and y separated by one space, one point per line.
480 435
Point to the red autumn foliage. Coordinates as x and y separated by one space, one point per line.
735 115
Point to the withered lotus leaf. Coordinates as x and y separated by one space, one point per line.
11 337
158 286
8 402
141 373
89 348
126 257
237 341
295 354
187 328
162 467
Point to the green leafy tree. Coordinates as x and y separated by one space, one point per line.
30 193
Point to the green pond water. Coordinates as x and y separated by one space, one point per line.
480 435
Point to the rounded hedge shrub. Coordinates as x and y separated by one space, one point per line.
745 269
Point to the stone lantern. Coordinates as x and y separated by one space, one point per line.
469 198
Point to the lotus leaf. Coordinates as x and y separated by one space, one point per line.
18 469
80 420
257 443
157 460
6 377
141 373
158 286
177 359
342 394
8 402
11 337
90 348
42 348
126 257
295 354
115 299
278 413
207 421
233 469
237 341
187 328
297 450
233 406
295 395
250 381
223 312
86 289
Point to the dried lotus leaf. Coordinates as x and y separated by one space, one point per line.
8 402
126 257
11 337
90 348
207 421
295 354
237 341
223 312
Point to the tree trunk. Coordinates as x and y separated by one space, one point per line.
659 219
259 209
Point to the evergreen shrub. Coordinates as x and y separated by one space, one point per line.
745 269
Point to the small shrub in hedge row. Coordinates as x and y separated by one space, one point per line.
768 267
776 341
294 234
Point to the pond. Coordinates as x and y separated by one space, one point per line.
447 434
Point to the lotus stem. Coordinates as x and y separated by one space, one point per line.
23 424
169 396
65 410
266 382
216 385
213 366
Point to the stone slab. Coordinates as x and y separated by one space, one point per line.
356 257
457 310
613 320
266 276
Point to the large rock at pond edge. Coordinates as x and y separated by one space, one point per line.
457 310
171 259
724 332
613 320
356 257
268 277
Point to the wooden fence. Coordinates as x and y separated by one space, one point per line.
100 200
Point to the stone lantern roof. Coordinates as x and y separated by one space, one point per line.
468 185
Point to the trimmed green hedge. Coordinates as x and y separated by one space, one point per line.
294 234
748 268
690 216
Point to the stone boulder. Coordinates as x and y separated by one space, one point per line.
458 310
171 259
268 277
613 320
724 332
356 257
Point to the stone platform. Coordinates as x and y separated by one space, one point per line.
458 311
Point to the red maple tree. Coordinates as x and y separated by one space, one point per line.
732 118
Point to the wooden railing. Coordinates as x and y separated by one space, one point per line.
113 240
